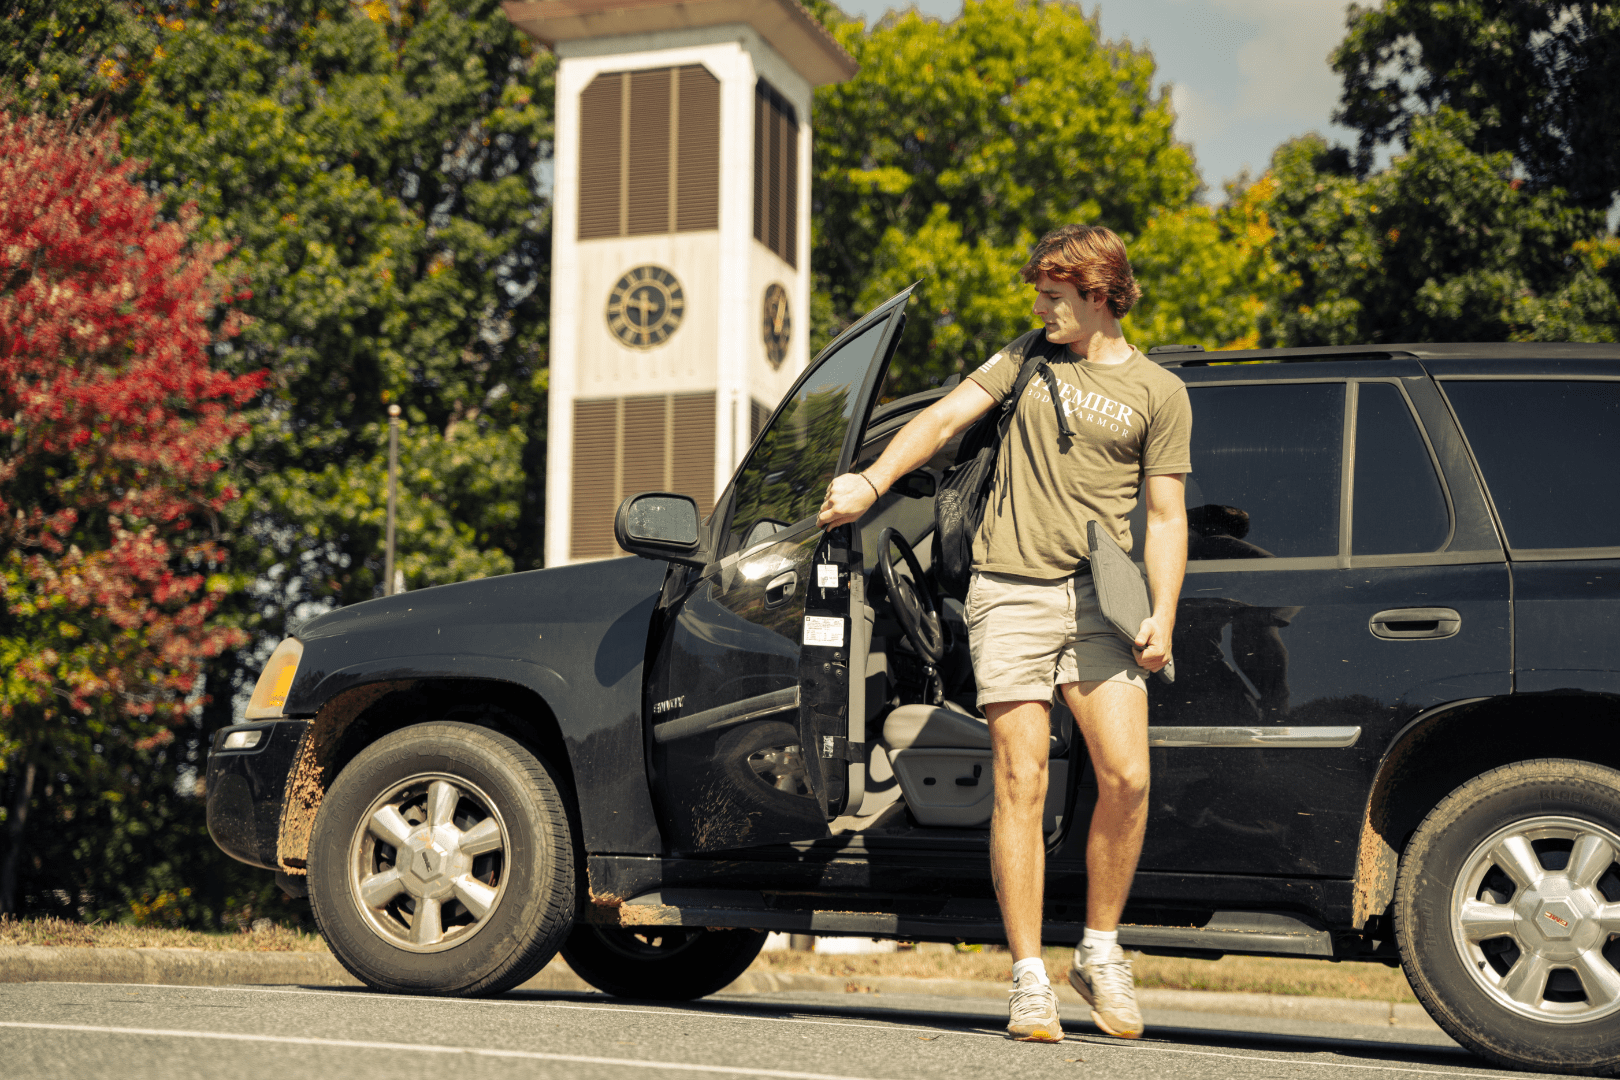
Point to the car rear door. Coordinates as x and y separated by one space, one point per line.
1546 436
1343 577
749 693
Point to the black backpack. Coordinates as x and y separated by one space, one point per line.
965 488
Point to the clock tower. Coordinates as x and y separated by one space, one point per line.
680 285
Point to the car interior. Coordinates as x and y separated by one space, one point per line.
928 743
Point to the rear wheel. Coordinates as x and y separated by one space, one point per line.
1507 915
442 863
670 963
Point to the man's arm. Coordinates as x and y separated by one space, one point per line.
1165 553
851 495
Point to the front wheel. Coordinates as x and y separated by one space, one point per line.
442 863
668 963
1507 916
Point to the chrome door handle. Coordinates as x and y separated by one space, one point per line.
1401 624
781 587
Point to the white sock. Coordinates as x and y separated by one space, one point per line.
1028 965
1099 939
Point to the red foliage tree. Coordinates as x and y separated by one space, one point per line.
112 428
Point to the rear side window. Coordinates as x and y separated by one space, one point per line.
1265 471
1550 452
1398 507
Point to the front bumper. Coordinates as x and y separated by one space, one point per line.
247 787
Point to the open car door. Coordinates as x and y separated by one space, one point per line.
759 656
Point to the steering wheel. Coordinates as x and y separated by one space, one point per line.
916 604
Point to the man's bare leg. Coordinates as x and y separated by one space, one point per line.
1019 739
1113 719
1019 742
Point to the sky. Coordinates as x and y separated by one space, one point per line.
1245 75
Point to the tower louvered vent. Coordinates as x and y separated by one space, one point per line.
776 172
624 446
649 153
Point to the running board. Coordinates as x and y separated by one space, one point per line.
1258 933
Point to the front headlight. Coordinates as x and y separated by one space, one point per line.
270 692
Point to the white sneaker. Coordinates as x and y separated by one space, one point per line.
1103 978
1033 1011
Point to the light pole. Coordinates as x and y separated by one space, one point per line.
393 488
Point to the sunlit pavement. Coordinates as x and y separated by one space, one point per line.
115 1030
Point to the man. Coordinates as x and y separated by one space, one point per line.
1032 611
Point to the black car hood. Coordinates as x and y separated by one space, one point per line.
575 626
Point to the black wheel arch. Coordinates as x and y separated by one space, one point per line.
358 716
1443 748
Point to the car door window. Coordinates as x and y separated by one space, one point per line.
787 474
1398 506
1265 471
1550 452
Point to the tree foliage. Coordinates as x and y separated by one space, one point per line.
114 424
1539 80
381 172
1444 245
957 145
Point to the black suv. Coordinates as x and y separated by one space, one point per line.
1393 736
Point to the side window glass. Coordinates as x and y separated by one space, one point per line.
1550 452
1266 466
786 477
1398 506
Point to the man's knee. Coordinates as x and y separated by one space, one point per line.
1123 785
1021 783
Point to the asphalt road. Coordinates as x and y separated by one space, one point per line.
92 1030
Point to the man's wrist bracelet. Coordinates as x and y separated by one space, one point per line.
871 485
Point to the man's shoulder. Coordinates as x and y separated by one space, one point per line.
1160 382
1008 360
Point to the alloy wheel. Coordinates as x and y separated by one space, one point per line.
427 864
1535 913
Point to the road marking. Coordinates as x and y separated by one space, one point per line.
357 1044
674 1012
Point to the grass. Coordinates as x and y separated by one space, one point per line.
52 931
1243 974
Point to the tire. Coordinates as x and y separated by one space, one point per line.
499 869
666 963
1530 845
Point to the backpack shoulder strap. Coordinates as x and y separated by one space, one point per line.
1038 352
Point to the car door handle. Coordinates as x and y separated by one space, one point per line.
781 587
1400 624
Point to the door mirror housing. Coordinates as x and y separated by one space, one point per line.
660 525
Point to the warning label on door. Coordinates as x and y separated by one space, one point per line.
820 630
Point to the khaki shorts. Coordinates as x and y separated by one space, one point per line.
1028 635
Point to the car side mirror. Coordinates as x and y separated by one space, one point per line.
916 485
659 525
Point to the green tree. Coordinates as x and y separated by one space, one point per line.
956 146
1207 274
382 174
1444 245
381 171
1540 79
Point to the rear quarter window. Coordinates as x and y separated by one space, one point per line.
1549 450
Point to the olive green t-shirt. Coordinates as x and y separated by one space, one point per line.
1130 420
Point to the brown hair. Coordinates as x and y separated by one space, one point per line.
1089 257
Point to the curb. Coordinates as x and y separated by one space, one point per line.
205 967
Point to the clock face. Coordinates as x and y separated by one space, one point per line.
645 307
778 325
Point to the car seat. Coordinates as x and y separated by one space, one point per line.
941 756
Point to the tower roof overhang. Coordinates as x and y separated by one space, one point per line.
791 30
